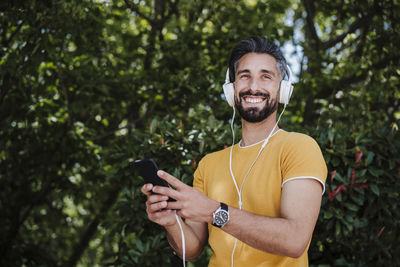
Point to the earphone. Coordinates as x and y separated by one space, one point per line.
286 89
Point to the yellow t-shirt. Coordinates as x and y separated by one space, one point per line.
287 156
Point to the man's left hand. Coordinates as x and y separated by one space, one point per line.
190 203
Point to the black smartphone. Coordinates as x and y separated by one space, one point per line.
148 170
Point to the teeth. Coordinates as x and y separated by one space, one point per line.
253 100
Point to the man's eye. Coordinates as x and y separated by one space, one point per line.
266 77
245 76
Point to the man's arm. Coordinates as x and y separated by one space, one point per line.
195 238
287 235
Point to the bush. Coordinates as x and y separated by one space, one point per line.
360 217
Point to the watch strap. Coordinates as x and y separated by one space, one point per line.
224 206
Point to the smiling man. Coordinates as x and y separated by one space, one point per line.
257 202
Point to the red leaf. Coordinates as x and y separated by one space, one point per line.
353 176
330 195
358 155
334 193
333 173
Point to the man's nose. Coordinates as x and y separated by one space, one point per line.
253 84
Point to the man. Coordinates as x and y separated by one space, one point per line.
257 202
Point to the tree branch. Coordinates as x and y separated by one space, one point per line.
353 27
310 9
92 228
172 10
20 218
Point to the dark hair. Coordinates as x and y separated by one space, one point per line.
256 45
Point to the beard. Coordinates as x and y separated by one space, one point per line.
255 114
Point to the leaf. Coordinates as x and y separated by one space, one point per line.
340 178
357 197
328 215
370 157
375 172
337 229
139 245
351 206
374 189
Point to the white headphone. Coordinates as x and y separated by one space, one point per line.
286 89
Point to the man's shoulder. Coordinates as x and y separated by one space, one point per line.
294 137
299 142
295 141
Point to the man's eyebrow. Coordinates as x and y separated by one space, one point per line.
262 71
243 71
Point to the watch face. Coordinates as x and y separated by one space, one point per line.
221 217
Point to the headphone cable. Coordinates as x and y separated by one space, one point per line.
240 203
183 240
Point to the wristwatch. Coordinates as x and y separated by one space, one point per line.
221 216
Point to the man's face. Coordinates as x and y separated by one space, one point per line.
256 86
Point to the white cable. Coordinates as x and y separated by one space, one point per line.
183 240
251 166
233 252
240 203
233 131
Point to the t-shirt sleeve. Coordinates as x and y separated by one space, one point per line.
303 159
199 174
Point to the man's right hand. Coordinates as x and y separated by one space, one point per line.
155 207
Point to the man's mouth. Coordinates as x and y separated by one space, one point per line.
253 99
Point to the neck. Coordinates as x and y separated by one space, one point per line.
254 132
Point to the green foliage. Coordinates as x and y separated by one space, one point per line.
358 223
87 87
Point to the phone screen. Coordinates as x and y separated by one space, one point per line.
148 170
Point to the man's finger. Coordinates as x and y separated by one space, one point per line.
146 189
153 198
157 206
174 205
171 179
166 191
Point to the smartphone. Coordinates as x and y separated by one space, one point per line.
148 170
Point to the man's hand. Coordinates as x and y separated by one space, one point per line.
190 203
156 207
